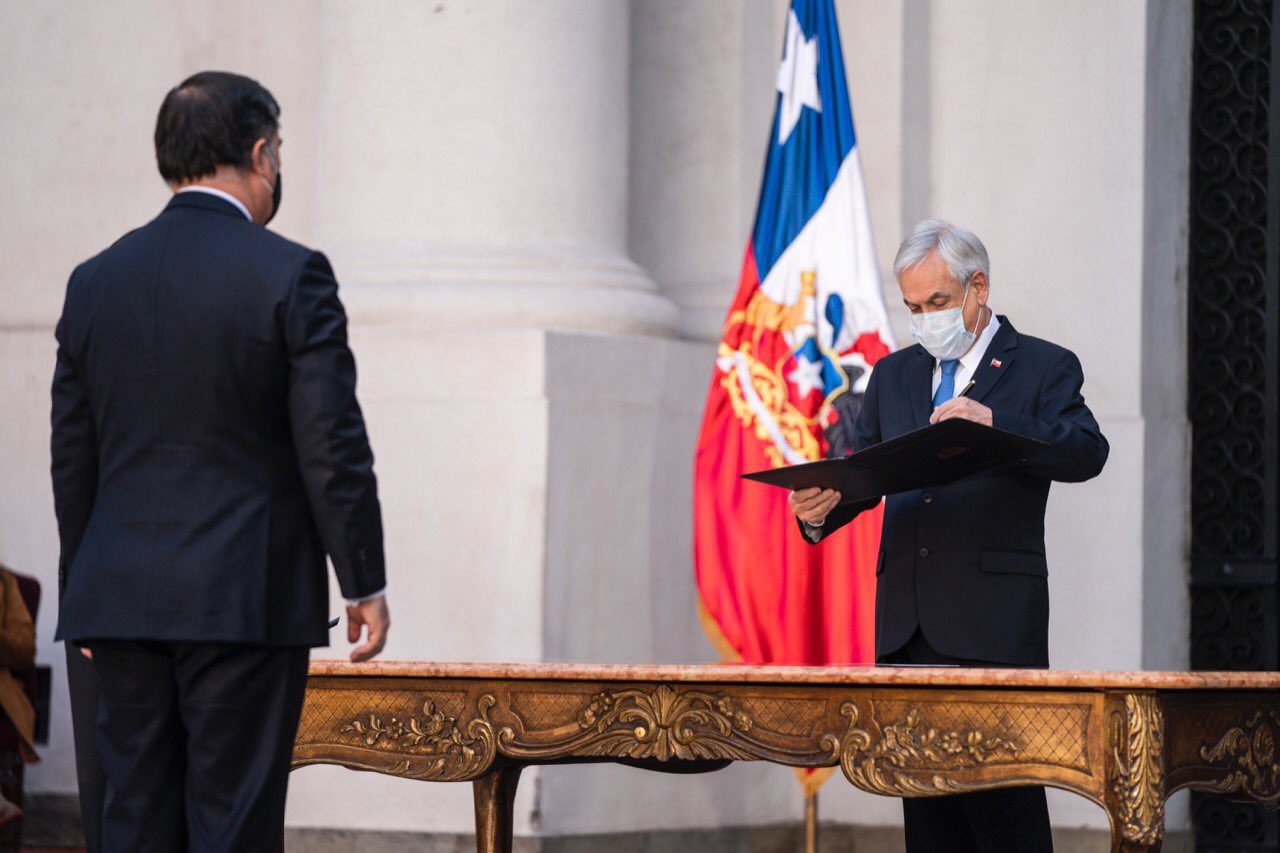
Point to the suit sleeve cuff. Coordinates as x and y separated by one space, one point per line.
370 597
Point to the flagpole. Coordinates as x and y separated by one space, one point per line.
811 823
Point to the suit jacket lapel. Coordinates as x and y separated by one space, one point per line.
919 380
996 361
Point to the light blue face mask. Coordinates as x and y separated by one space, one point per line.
943 333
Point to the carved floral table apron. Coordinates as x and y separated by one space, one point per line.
1125 740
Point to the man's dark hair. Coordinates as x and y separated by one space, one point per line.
212 119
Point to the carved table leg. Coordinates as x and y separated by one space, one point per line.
495 793
1135 787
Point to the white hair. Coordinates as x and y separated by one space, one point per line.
961 251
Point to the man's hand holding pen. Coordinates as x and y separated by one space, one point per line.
960 406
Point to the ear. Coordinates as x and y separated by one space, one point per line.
978 284
260 158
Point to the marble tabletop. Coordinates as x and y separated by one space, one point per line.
851 675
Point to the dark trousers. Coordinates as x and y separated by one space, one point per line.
82 684
195 739
998 821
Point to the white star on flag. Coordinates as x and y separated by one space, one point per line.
807 376
797 78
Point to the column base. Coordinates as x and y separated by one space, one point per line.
552 291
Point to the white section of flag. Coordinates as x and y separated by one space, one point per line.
837 245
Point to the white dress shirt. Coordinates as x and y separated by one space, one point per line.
964 372
225 196
969 361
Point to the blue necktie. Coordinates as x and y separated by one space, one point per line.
947 387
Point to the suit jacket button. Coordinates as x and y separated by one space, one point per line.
928 497
924 552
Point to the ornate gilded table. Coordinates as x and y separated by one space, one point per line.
1125 740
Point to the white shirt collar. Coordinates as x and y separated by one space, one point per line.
225 196
970 360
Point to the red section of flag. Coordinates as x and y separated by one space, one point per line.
772 596
869 346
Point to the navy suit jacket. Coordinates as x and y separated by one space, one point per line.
965 563
207 449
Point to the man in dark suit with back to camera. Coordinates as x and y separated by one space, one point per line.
208 453
961 576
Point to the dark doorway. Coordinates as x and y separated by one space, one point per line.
1233 334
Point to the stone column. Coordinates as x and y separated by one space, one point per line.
702 93
472 160
471 172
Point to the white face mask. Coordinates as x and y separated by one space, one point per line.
943 333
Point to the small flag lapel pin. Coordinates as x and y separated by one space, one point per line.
995 362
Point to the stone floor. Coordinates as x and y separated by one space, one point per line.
833 839
53 821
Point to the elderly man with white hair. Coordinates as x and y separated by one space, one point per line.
962 571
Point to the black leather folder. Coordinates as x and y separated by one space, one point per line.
935 455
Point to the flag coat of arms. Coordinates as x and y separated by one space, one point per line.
804 330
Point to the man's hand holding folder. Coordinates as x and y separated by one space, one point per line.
812 506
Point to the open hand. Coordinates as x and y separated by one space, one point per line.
962 407
812 505
374 616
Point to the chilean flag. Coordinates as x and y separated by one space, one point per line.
805 328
